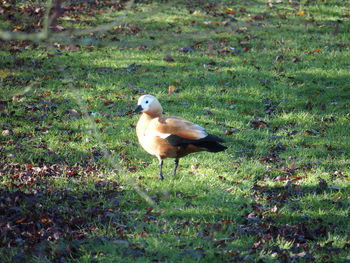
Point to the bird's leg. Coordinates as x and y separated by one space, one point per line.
176 165
161 177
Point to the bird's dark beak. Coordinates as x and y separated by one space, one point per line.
138 109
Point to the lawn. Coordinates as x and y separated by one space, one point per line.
271 79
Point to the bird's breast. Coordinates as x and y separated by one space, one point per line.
158 146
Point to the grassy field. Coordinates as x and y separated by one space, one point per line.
272 80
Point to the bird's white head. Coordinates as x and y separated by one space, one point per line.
150 105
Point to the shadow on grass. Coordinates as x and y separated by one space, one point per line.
55 223
32 217
321 204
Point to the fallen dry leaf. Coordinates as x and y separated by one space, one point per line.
171 89
45 220
311 132
259 17
168 59
322 183
230 189
258 123
230 11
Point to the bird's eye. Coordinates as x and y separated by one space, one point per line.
146 101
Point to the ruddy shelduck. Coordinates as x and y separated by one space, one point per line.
171 137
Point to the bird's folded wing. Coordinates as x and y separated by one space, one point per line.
166 126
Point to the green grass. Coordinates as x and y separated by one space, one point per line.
279 192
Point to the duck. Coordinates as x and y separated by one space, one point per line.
171 137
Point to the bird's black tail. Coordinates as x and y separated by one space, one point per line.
211 143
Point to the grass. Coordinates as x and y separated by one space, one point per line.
273 83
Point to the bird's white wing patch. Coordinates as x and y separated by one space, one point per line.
151 133
199 127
